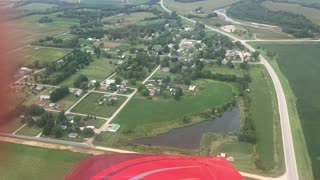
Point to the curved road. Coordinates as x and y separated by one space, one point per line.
289 155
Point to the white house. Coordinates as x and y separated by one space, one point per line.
192 88
45 97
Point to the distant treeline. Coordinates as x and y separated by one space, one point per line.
295 24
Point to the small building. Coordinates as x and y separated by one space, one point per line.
39 88
72 135
25 69
52 104
110 81
192 88
113 127
91 127
78 92
70 117
45 97
229 28
63 127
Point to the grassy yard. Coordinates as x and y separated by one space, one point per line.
98 70
19 161
68 101
90 105
298 68
30 131
41 54
264 112
141 111
37 6
224 69
310 13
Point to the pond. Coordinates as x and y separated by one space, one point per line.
189 137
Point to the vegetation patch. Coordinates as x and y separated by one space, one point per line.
298 63
97 104
35 163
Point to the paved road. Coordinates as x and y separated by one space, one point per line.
290 159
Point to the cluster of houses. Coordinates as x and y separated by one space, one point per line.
232 55
122 87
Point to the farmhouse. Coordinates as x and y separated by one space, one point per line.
72 135
45 97
188 43
228 28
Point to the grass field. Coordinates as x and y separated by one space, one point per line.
98 70
35 163
310 13
90 105
264 112
30 131
41 54
298 69
141 111
186 8
37 6
28 29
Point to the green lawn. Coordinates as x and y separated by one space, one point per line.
98 70
264 112
300 66
30 131
41 54
90 105
37 6
224 70
20 161
68 101
141 111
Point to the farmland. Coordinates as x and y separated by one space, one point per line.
90 105
186 8
98 70
43 55
299 70
28 29
35 163
37 6
310 13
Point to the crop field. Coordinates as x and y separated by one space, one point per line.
41 54
90 105
98 70
141 111
28 29
310 13
37 6
264 112
300 65
186 8
35 163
